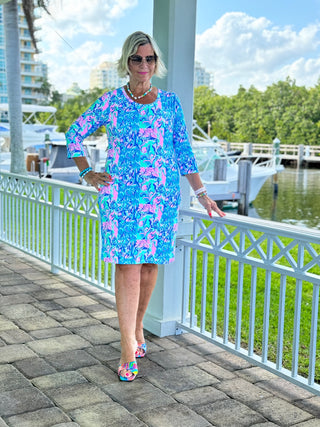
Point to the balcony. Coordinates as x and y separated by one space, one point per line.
229 349
67 321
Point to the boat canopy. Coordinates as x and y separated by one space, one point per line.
30 112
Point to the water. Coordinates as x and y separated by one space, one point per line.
297 201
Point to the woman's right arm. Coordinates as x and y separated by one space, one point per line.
84 126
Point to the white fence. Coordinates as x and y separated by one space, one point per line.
55 222
250 286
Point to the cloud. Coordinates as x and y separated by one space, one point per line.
73 17
71 38
242 50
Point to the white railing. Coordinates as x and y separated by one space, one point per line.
250 286
55 222
287 151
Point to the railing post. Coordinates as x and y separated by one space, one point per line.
244 179
300 155
276 151
55 231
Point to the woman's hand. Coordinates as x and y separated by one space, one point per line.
97 179
210 205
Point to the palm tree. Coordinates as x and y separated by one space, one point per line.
12 43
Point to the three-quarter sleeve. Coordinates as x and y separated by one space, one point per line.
183 150
85 125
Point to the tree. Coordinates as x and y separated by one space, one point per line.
12 44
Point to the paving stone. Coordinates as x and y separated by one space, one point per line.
285 389
109 414
77 301
256 374
104 353
67 425
205 348
7 325
77 396
37 322
280 411
138 396
58 380
15 336
180 379
41 418
70 360
99 375
67 314
15 299
57 345
165 343
34 367
216 370
50 333
71 292
181 415
22 400
47 305
11 353
229 413
49 284
242 390
11 379
17 289
20 311
113 322
98 334
228 360
175 358
314 422
79 323
146 367
186 339
199 396
50 294
311 405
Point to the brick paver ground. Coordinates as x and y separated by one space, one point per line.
59 350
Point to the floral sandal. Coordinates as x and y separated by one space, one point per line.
141 350
128 371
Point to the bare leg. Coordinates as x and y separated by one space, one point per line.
127 299
149 273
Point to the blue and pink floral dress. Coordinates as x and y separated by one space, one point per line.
148 146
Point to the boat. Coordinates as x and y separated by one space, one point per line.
207 150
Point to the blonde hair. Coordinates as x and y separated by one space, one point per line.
130 47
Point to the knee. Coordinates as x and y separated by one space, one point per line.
128 268
150 268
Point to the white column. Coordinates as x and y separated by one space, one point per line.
174 25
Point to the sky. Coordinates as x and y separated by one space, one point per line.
242 42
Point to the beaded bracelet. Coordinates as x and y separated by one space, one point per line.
200 190
204 193
84 172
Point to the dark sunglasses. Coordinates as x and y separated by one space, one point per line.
137 59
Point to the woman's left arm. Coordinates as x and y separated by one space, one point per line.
209 204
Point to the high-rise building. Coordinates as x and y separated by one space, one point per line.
106 76
32 71
201 76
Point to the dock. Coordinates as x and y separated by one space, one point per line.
299 155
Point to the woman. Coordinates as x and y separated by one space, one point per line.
139 192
